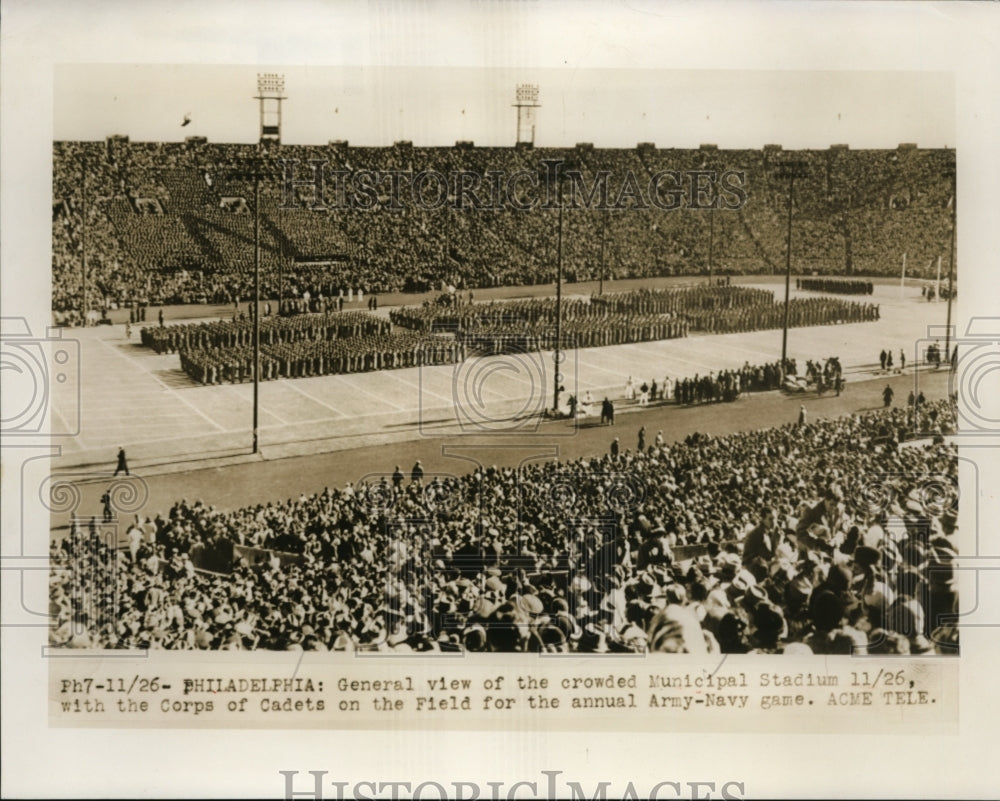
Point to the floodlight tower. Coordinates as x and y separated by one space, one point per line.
270 93
790 169
526 101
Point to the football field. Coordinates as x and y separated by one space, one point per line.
126 395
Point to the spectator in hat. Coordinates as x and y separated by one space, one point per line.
122 463
763 539
828 514
106 501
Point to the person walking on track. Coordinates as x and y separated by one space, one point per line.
122 462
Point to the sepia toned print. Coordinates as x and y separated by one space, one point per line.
641 400
498 400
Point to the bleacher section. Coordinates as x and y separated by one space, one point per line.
174 222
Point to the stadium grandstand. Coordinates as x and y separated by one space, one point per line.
626 553
173 223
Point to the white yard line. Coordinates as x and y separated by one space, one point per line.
158 380
585 367
667 357
422 389
290 382
346 380
76 438
267 411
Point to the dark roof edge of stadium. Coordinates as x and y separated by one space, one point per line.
468 144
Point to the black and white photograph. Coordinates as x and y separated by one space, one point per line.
536 387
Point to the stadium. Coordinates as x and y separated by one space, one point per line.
172 223
549 399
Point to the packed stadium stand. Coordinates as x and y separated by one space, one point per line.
174 222
808 539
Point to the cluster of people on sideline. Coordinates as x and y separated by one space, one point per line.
933 354
824 375
713 387
932 292
888 364
769 541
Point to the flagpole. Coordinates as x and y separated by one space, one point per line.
937 289
902 278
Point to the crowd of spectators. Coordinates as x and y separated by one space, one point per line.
937 290
728 385
173 223
714 387
834 537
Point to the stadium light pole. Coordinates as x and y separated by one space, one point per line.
951 260
256 305
711 239
555 355
281 264
792 169
83 238
604 236
255 174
